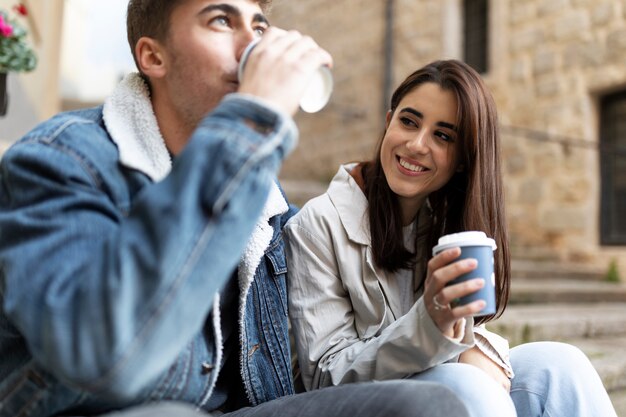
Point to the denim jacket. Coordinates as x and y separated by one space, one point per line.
111 257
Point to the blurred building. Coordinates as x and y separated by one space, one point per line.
82 54
557 69
34 96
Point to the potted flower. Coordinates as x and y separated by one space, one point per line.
15 54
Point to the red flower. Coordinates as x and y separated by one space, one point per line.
6 30
21 9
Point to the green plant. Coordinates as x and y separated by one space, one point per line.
15 54
612 275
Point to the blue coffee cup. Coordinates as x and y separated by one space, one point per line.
478 246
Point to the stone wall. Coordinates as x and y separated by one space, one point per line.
550 61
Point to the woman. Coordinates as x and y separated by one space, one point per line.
366 300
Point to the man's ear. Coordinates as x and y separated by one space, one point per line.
150 57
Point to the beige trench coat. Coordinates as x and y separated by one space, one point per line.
345 319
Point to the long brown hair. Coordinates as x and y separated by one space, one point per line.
473 199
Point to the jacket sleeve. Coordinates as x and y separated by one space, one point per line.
495 347
330 349
107 299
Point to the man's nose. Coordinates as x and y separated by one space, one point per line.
243 40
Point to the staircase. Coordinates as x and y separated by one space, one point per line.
570 303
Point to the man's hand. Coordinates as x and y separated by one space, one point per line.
280 66
476 357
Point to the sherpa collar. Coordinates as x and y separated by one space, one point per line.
130 120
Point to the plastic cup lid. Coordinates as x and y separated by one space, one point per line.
464 239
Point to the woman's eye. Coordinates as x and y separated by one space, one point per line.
408 122
444 136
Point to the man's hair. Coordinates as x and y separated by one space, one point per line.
151 18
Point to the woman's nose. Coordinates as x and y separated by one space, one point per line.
418 143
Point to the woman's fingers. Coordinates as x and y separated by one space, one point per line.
453 292
444 274
440 297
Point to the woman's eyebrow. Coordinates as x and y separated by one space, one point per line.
447 125
421 116
412 111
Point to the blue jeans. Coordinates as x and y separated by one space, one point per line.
370 399
551 380
556 379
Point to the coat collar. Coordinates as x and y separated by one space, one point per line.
351 205
130 120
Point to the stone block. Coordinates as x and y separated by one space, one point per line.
544 61
520 70
527 38
516 164
549 7
616 42
584 54
571 190
572 25
522 12
548 86
532 191
564 219
602 14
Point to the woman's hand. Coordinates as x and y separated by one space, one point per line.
437 297
476 357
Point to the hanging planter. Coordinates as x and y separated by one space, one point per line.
4 96
15 55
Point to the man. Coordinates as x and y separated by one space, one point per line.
141 254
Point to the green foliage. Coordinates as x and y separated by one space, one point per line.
15 55
612 275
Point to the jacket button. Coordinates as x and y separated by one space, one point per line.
206 368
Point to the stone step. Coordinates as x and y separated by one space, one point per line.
531 291
598 329
545 269
607 356
561 322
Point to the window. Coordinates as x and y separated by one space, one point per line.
613 169
476 34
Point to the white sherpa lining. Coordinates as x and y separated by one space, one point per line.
130 120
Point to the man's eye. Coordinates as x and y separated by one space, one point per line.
260 30
220 20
